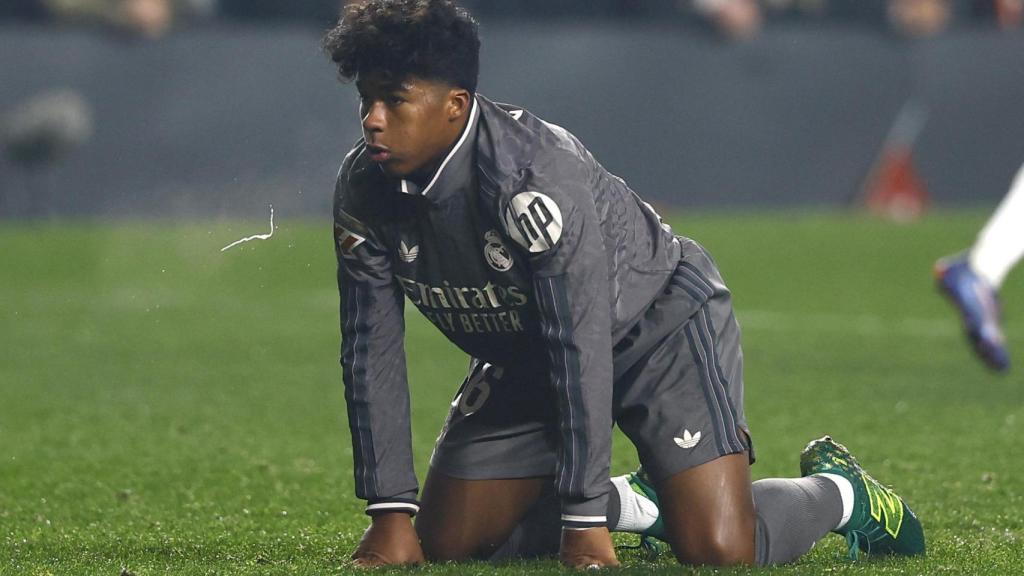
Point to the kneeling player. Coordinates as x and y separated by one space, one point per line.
580 309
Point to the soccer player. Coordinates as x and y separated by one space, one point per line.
972 281
580 310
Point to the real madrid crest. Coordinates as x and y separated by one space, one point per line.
497 255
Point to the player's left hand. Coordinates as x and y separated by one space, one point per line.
587 549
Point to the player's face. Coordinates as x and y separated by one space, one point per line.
410 124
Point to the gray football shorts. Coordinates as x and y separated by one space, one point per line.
678 391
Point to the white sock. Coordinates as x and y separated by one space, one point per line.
636 511
1000 244
845 492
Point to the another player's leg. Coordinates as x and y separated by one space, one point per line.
979 306
972 281
1000 244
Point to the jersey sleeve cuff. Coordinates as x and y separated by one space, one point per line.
585 514
408 505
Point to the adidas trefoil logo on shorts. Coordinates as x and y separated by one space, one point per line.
688 441
408 254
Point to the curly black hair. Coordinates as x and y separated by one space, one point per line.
429 39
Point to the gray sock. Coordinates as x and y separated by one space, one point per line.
792 515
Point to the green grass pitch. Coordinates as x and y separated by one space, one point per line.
167 408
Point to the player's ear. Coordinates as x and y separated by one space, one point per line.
458 103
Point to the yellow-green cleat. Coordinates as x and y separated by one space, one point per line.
881 522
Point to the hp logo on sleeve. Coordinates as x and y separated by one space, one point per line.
534 221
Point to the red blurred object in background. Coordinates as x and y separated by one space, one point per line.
1009 13
893 188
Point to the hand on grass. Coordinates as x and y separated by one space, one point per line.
390 539
587 549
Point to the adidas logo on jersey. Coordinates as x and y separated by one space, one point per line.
688 440
406 253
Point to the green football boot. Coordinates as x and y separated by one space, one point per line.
881 521
649 544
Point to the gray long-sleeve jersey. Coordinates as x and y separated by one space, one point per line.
527 254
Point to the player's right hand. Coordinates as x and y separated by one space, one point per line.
587 549
390 539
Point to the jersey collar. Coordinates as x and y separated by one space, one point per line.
455 157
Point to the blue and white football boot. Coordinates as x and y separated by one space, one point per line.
978 303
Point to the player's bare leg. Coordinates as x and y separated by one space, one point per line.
1000 244
464 519
390 539
472 519
709 512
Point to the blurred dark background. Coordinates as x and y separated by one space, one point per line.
187 108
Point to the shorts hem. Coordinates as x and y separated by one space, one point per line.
490 472
657 474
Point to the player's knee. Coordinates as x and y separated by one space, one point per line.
716 553
717 546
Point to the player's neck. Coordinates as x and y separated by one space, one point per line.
425 173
